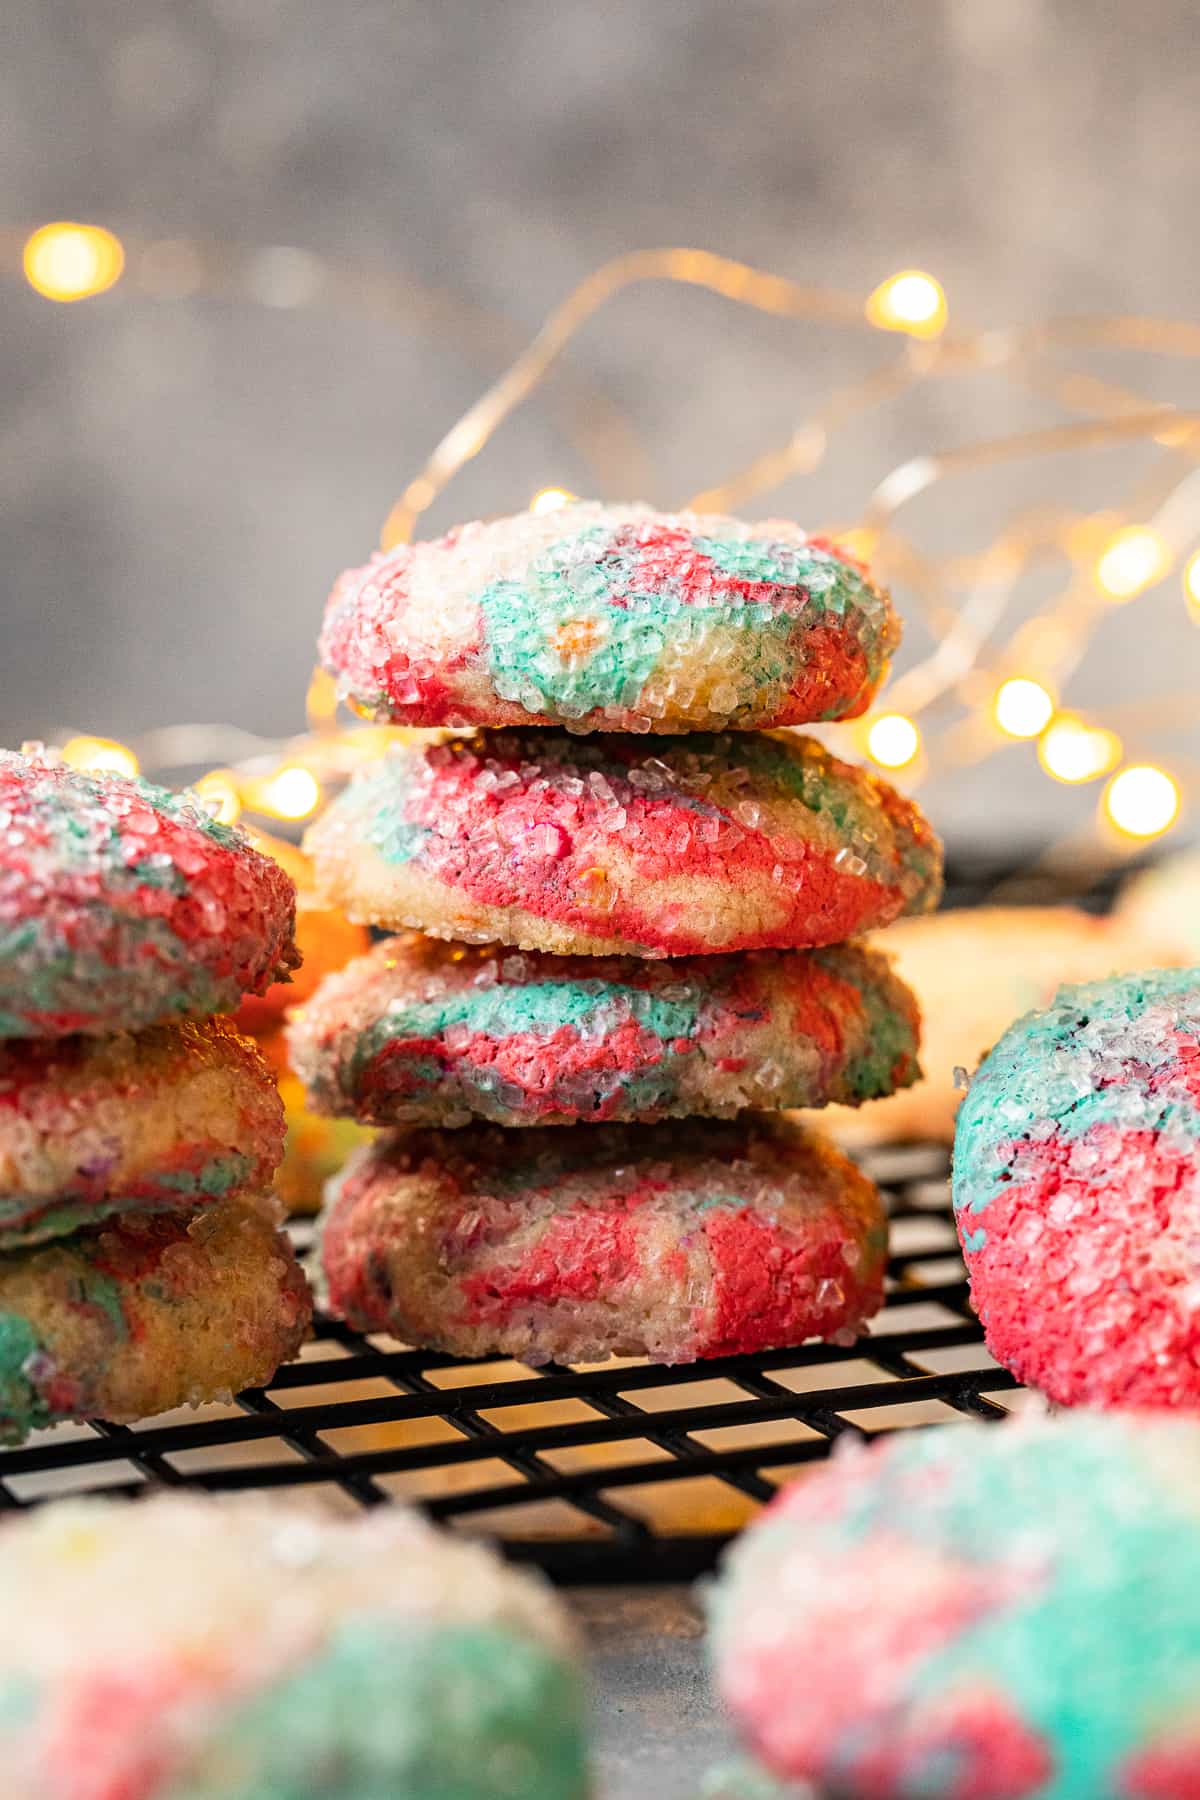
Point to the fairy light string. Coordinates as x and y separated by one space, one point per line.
1003 692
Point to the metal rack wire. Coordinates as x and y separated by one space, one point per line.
625 1471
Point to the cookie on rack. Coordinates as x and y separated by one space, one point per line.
181 1649
145 1314
611 618
973 971
1002 1610
673 1241
624 845
161 1120
122 904
1077 1193
421 1032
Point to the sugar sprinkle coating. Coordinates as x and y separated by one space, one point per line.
148 1313
1077 1193
1006 1612
161 1120
672 1241
611 618
122 904
679 847
420 1032
184 1649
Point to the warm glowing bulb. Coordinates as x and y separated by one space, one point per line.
70 262
550 500
910 301
1191 587
100 756
219 795
1142 801
893 741
1133 560
292 794
1021 707
1072 751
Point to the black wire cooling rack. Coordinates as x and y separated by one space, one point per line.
623 1471
620 1471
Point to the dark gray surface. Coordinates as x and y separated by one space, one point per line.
657 1727
179 482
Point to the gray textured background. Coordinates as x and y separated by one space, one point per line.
181 480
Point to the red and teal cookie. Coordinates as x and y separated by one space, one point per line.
986 1613
609 845
611 618
1077 1193
182 1648
421 1032
122 904
162 1120
672 1241
147 1313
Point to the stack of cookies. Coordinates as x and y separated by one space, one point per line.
140 1262
632 906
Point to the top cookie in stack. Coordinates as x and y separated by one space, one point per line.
681 829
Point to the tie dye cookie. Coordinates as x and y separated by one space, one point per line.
162 1120
611 618
122 905
1077 1193
184 1649
145 1314
673 1241
420 1032
1007 1612
613 845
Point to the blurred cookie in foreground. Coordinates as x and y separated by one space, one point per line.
180 1648
1005 1611
674 1241
1077 1193
973 972
421 1032
1161 909
167 1119
147 1314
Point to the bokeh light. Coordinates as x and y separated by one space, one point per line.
551 499
65 261
1191 587
220 795
293 793
910 301
1072 751
893 741
100 756
1133 560
1022 708
1142 801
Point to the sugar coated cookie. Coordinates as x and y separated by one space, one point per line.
122 904
973 972
420 1032
1077 1193
164 1119
672 1241
611 618
678 847
1006 1612
146 1314
181 1649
